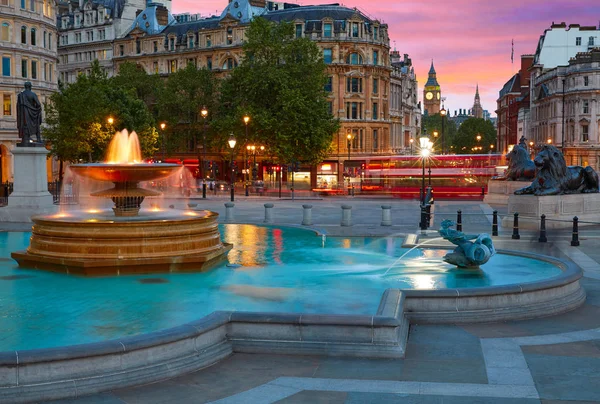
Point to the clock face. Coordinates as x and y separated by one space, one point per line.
429 95
437 95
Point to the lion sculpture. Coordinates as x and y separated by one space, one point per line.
553 177
520 166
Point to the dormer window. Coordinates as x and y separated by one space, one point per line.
298 30
208 41
355 30
327 30
229 35
190 41
591 41
138 46
375 33
172 44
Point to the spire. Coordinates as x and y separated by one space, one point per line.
431 69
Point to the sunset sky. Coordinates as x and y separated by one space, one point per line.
469 40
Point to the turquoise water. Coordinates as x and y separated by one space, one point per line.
269 269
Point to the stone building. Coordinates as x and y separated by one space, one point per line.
477 110
87 29
405 110
432 94
565 108
355 48
29 53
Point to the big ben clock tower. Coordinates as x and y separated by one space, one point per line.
432 94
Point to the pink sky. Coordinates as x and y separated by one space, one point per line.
468 40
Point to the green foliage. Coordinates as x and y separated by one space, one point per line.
180 102
466 141
433 123
76 117
133 77
280 85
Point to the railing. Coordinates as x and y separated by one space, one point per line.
6 189
67 195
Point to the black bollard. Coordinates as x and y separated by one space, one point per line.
428 211
423 224
515 235
204 190
542 238
575 238
495 223
459 220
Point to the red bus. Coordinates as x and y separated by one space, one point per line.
456 176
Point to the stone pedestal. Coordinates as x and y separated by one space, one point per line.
30 194
499 191
556 207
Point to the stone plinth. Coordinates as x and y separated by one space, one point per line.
556 207
30 190
499 191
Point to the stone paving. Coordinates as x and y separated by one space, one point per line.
545 360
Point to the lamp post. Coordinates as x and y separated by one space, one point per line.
411 141
204 113
443 113
424 145
349 137
232 142
162 132
246 120
478 137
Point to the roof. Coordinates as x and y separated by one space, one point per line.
511 86
432 69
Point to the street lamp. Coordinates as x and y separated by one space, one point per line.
549 140
162 132
411 145
232 142
424 145
110 120
349 137
443 113
246 120
204 113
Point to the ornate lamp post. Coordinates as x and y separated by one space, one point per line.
349 137
162 132
204 114
443 113
232 142
411 141
246 120
424 145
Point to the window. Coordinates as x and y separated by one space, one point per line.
375 139
586 107
23 34
24 68
155 67
32 5
353 110
229 64
190 42
591 41
578 41
138 46
229 35
329 84
298 30
46 71
171 43
354 32
327 56
34 69
353 85
45 39
192 61
101 34
5 32
155 46
375 115
121 50
375 57
330 107
78 37
7 104
50 41
375 86
6 66
586 81
584 133
208 41
50 69
209 63
354 59
327 30
23 4
376 33
173 66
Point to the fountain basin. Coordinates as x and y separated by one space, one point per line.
105 245
131 172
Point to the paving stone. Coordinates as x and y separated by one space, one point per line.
367 369
103 398
587 349
444 371
316 397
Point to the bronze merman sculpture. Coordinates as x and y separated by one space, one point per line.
467 254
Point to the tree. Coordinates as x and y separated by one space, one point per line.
433 123
145 86
76 118
280 85
180 102
466 139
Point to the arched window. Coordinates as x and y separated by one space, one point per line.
23 34
354 59
229 64
5 32
33 32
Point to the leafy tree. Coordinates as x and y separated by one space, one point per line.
466 142
433 123
280 85
145 86
180 102
76 118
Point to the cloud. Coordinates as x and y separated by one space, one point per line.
469 40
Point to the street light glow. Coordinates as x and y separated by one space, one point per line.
204 112
163 126
110 120
246 119
478 138
425 152
231 141
549 141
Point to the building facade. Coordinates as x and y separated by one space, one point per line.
432 94
405 110
355 48
29 53
565 109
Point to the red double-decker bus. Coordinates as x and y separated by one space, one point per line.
457 176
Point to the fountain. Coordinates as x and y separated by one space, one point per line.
99 243
467 254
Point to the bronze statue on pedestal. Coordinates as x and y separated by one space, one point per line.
29 117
